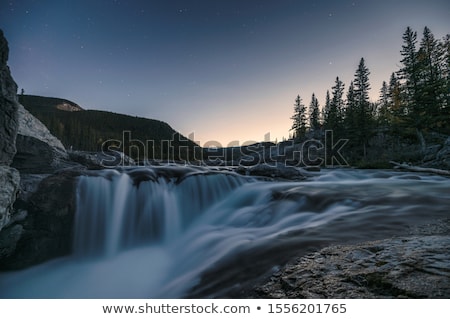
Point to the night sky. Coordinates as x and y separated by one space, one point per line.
224 70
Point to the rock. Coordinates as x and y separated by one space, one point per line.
37 157
47 229
98 160
9 181
29 185
31 126
38 151
431 152
277 170
411 267
444 153
8 240
8 130
8 107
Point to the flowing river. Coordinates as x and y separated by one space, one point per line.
172 232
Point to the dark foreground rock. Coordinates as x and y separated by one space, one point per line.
45 231
9 183
406 267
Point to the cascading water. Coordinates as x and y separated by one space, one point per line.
116 212
172 231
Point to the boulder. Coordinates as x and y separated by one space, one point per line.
38 151
46 232
404 267
9 181
37 157
31 126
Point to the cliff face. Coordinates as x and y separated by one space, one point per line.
27 225
9 177
8 107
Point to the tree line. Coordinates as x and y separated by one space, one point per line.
415 100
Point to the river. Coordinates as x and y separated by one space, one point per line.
172 232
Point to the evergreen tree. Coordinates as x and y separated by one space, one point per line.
446 74
364 115
350 110
336 112
432 85
409 73
299 119
314 113
326 109
396 106
384 106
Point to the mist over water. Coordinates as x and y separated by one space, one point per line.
170 232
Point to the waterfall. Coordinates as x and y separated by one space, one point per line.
115 212
168 232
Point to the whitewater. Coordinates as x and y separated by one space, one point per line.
173 232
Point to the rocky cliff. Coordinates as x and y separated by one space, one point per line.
9 177
34 207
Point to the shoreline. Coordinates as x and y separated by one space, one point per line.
415 265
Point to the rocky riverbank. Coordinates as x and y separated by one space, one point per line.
413 266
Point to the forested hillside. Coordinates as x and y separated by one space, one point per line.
91 130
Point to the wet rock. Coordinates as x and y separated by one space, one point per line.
9 181
37 157
47 229
8 240
411 267
99 160
277 170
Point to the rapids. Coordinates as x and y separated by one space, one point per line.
172 232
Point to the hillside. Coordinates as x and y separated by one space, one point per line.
91 130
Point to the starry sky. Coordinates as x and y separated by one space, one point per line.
226 71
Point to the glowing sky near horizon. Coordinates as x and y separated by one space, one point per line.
223 70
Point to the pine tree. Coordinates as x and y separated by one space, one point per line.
350 111
432 85
409 73
396 105
299 119
326 109
314 113
446 74
384 106
364 116
336 113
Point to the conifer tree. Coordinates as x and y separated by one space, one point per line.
364 116
432 85
409 73
326 109
299 119
350 110
314 113
384 106
336 112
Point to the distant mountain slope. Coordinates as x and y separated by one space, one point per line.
91 130
41 101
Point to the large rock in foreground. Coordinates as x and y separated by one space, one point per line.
38 151
9 183
407 267
46 232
